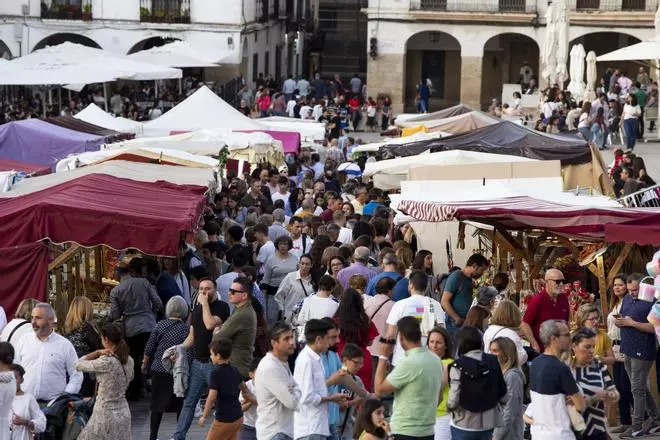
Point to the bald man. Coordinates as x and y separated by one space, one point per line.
549 303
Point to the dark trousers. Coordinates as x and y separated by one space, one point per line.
154 425
622 383
136 346
640 123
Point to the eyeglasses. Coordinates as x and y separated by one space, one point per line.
235 292
561 281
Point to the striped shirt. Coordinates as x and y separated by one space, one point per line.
591 379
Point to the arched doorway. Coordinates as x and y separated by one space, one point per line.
55 39
504 56
604 42
435 56
150 43
5 53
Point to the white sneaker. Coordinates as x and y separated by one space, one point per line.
198 409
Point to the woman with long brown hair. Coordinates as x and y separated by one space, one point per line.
355 327
79 329
111 419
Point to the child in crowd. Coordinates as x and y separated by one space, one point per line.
27 418
248 430
225 386
371 423
352 358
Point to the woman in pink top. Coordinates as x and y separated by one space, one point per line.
264 103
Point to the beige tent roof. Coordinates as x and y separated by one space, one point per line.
456 124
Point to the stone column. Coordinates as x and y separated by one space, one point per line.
471 80
385 75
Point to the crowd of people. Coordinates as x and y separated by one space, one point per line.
618 108
299 311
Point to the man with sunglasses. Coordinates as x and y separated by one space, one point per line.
241 327
549 303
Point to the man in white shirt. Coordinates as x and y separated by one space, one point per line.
417 305
322 304
310 422
282 192
267 248
48 358
276 390
302 243
291 107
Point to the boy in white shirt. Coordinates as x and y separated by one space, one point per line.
248 429
27 417
321 305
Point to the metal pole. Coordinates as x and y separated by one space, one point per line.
105 96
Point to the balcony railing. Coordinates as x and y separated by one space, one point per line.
610 5
505 6
165 11
67 10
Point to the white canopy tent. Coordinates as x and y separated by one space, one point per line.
644 51
97 116
71 63
419 136
163 154
143 172
388 174
252 147
200 111
309 131
181 54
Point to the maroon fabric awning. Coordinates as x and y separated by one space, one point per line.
27 168
645 230
85 127
24 270
100 209
519 213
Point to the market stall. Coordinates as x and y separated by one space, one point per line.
38 142
95 115
85 127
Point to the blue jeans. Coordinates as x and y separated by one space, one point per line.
630 130
281 436
459 434
200 373
450 325
586 133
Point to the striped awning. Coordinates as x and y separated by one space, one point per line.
524 213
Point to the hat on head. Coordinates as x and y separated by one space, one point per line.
283 169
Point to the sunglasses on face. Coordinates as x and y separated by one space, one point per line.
235 292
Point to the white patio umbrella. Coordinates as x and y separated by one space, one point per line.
576 86
562 42
549 58
592 77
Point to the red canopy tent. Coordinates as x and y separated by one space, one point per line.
519 213
27 168
642 231
91 210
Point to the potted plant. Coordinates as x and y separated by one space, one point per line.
87 12
145 12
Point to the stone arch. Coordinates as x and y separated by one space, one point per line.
62 37
151 42
504 55
5 53
435 55
604 42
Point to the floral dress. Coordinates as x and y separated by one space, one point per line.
111 418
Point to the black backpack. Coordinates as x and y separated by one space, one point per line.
479 380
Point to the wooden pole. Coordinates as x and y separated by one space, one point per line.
602 287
